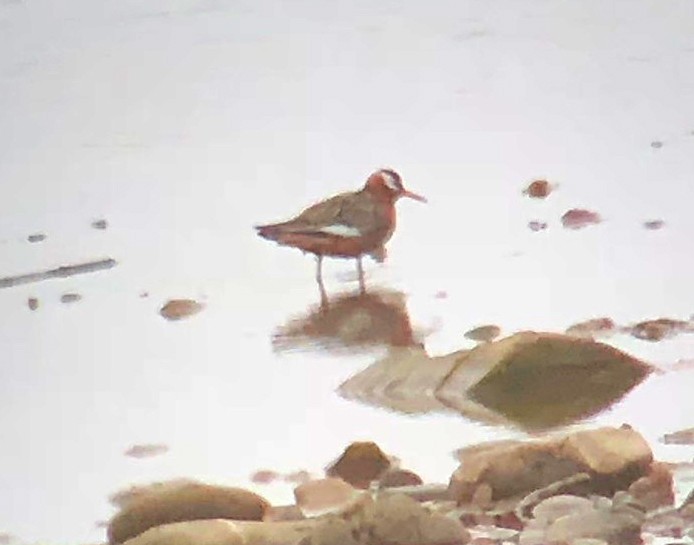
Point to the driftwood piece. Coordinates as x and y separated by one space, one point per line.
61 272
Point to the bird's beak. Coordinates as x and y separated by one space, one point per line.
410 195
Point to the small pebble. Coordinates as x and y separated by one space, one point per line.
70 297
100 224
33 303
37 237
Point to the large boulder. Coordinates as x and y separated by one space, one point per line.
612 458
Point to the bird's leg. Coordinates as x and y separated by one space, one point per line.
319 279
360 273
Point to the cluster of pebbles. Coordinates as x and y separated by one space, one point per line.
591 487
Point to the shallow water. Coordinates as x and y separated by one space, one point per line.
185 123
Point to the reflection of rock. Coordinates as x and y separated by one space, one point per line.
359 464
535 380
182 502
612 458
372 318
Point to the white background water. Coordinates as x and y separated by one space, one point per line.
184 123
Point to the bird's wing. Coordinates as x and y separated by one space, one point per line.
343 211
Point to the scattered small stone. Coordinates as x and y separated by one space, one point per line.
659 329
360 464
595 327
682 437
654 225
146 450
578 218
656 489
483 333
70 298
144 295
264 476
538 189
33 303
37 237
656 144
441 294
177 309
100 224
536 225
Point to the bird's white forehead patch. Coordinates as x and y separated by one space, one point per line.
341 230
390 181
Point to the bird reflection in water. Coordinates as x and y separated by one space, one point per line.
363 320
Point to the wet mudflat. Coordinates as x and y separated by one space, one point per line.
152 140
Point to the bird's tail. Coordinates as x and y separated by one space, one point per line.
270 231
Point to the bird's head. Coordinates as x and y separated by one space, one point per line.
387 184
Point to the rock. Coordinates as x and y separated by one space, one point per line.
124 497
37 237
70 298
578 218
653 225
399 477
264 476
326 496
682 437
595 327
394 519
199 532
655 489
298 477
483 333
146 450
225 532
332 531
556 507
278 513
659 329
360 464
177 309
538 189
612 457
184 502
33 303
569 520
100 224
537 225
